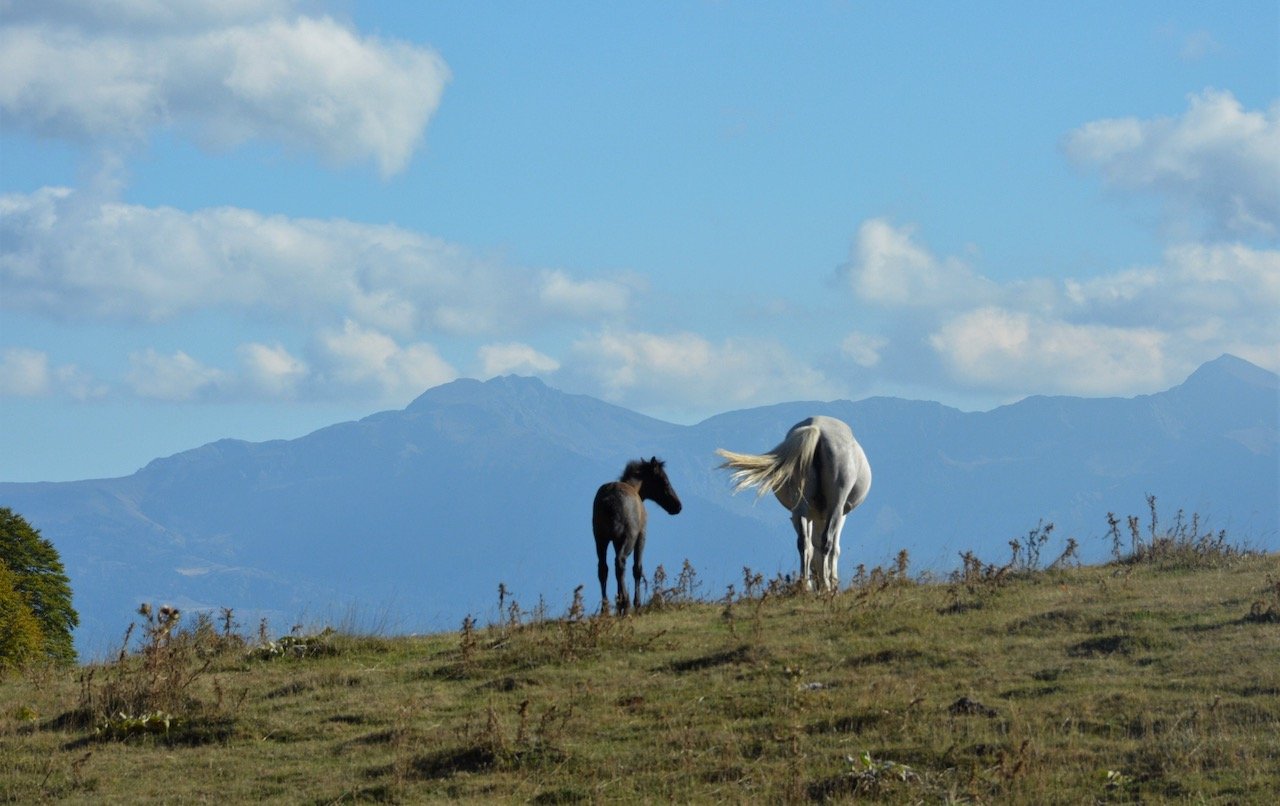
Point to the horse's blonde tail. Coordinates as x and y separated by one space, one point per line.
770 472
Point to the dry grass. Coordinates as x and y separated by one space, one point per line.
1124 683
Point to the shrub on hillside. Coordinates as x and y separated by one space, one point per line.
20 637
154 691
41 582
1182 544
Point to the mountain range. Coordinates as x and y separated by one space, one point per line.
409 520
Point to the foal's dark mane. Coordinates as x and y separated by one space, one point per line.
639 469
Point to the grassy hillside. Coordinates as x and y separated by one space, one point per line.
1155 680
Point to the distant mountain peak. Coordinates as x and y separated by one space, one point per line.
1230 370
517 383
469 390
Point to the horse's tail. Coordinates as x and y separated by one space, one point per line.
770 472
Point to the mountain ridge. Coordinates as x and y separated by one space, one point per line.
424 510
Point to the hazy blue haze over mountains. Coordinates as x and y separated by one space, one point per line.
413 517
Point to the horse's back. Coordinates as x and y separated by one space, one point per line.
830 428
617 512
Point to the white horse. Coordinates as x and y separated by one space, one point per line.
819 473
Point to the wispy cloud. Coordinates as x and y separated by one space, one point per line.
1128 331
514 357
68 255
685 371
863 348
1019 352
888 267
563 295
1217 161
357 360
24 373
1198 45
175 377
28 373
271 371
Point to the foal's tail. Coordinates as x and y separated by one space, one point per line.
770 472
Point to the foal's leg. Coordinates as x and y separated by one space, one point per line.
602 571
637 568
621 550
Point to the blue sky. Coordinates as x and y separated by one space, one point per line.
253 219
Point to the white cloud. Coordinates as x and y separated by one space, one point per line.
863 348
24 373
679 370
65 255
357 359
1216 160
1197 45
226 76
1017 352
1126 332
77 384
1131 331
1252 276
887 267
351 362
271 370
177 377
1206 299
513 357
582 298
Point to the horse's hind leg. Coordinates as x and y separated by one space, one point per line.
832 554
819 564
804 545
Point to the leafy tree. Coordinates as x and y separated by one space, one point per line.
20 638
41 582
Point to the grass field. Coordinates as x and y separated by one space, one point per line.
1151 681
